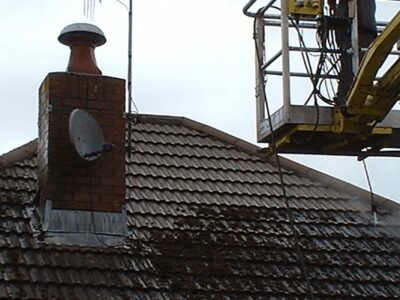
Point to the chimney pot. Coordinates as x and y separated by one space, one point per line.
82 38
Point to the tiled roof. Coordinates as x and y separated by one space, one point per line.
206 220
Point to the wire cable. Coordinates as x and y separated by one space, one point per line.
308 67
372 199
299 251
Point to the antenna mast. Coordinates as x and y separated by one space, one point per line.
130 77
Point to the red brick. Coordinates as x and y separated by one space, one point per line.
100 89
65 178
74 86
92 87
83 86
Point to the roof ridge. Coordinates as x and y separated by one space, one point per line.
201 127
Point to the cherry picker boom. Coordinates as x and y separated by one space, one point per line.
365 123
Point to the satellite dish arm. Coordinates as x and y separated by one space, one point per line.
107 147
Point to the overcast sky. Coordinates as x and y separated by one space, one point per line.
191 58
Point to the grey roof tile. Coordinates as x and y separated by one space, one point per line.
207 221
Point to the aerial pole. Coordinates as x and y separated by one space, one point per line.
130 100
130 58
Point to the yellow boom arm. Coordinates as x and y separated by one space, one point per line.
370 102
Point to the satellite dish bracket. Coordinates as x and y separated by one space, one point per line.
107 147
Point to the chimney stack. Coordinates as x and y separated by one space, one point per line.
76 195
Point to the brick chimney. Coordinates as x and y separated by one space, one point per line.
79 196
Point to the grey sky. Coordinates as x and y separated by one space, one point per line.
192 58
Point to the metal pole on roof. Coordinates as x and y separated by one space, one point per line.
285 54
130 59
129 78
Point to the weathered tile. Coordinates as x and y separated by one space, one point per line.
207 220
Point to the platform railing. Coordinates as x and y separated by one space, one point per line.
284 54
282 64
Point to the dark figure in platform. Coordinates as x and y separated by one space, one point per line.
367 32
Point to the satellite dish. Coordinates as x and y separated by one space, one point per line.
86 135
